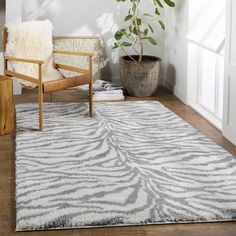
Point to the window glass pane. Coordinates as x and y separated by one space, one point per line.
208 26
195 10
217 35
208 80
222 53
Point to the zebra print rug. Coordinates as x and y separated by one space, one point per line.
134 163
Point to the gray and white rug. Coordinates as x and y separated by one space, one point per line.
134 163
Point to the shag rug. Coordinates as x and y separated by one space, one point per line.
134 163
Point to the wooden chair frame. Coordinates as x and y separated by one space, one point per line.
55 85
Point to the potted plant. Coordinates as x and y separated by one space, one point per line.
140 73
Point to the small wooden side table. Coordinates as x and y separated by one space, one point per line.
7 110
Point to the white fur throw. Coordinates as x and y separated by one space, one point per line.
32 40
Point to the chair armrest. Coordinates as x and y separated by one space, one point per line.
85 54
72 69
21 76
39 62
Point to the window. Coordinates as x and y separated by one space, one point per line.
207 33
208 30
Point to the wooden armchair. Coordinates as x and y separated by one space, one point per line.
84 77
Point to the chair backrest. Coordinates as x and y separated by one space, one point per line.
90 44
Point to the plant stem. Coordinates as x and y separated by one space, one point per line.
141 50
136 50
140 41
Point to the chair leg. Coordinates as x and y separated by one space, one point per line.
40 100
91 99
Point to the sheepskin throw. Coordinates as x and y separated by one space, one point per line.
32 40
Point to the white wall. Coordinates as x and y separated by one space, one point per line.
14 15
176 50
75 17
90 17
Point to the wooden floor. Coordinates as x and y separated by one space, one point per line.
7 178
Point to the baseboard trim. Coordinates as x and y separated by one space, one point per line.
178 92
216 122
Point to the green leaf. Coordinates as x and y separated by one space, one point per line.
115 46
126 44
150 27
135 31
162 24
157 12
130 29
145 32
159 3
152 41
128 17
118 35
169 3
139 21
123 31
147 14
